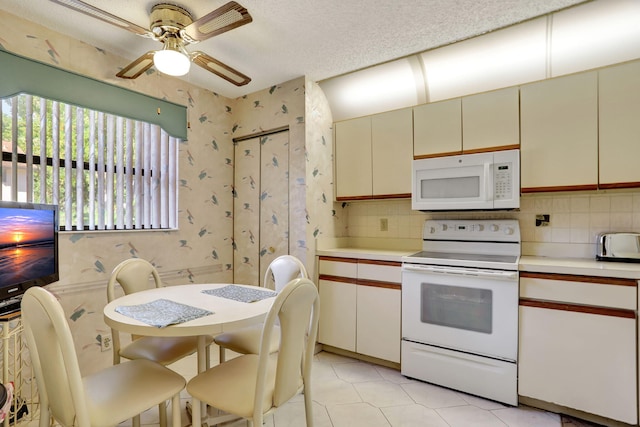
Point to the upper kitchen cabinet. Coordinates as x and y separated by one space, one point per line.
392 151
491 121
353 174
373 156
559 134
619 109
437 129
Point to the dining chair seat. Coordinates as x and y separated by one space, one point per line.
163 350
247 340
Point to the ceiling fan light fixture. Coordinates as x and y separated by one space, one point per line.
173 59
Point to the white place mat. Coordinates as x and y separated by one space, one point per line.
241 293
162 312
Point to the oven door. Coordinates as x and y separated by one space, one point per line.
470 310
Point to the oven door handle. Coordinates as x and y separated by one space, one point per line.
504 275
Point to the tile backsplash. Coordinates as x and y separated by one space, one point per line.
574 220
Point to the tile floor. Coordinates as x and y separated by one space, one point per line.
352 393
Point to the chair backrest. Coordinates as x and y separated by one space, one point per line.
133 276
282 270
54 358
297 308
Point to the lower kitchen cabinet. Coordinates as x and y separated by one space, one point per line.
337 314
578 343
360 306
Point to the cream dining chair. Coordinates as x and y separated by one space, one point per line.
246 340
254 385
105 398
133 276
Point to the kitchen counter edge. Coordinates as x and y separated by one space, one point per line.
534 264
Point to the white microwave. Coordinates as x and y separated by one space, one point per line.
468 181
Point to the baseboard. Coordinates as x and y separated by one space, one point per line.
364 358
559 409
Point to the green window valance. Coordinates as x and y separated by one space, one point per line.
23 75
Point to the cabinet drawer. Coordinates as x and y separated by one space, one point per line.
340 267
380 271
581 290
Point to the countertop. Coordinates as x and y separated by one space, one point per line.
535 264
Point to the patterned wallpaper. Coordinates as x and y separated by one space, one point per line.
202 250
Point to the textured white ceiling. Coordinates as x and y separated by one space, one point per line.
291 38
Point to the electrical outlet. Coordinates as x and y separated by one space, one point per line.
384 224
105 342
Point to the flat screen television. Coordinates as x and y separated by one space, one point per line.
28 250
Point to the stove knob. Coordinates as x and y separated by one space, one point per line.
494 227
444 227
508 231
479 227
432 230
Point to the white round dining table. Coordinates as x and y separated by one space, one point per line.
227 314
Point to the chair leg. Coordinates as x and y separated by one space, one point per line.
196 413
308 405
208 356
175 411
222 355
136 421
162 411
45 417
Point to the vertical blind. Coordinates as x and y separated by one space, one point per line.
104 172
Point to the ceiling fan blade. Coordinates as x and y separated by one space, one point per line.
87 9
223 19
219 69
137 67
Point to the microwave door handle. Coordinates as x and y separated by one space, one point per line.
488 181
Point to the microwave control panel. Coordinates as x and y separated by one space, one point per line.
503 181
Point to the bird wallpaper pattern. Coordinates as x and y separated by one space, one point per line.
295 175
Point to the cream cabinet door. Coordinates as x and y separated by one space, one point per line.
353 174
337 326
437 128
491 120
619 110
378 322
580 360
559 133
392 152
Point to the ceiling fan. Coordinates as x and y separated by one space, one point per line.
175 28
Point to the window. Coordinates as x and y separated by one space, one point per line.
105 172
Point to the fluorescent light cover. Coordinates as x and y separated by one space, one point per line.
594 35
495 60
385 87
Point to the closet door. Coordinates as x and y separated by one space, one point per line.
261 205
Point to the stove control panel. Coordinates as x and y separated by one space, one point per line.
507 230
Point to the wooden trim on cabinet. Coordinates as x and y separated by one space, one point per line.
378 284
392 196
337 259
584 279
330 278
374 197
559 188
430 156
614 185
604 311
473 151
490 149
352 198
379 262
